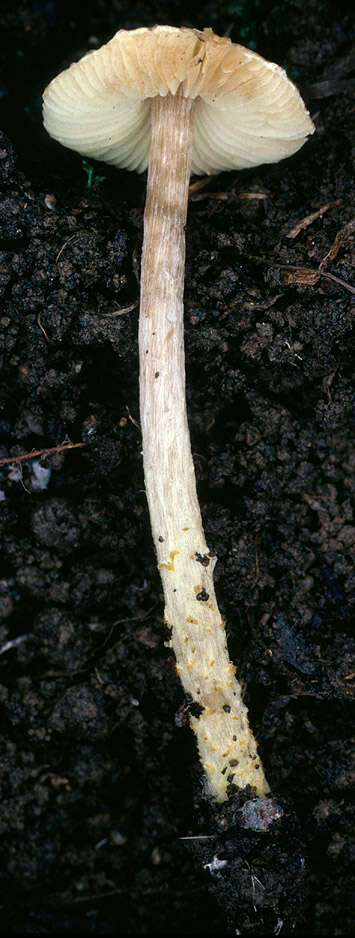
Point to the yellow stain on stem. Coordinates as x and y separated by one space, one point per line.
170 565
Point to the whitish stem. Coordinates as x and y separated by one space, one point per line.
226 745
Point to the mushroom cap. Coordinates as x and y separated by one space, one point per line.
247 111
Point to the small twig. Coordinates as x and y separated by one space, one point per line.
42 328
339 240
64 246
252 195
201 183
309 219
347 286
218 196
226 196
40 452
123 310
309 277
197 837
13 644
265 305
135 422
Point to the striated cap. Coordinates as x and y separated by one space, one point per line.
247 111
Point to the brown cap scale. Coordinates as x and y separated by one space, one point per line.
180 101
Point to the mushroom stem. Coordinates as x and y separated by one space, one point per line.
226 745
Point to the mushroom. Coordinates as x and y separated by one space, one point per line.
180 101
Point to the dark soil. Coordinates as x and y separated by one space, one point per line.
99 774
